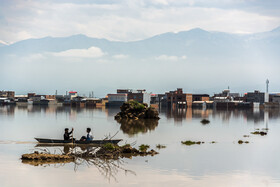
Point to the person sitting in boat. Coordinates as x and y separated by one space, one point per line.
67 133
89 136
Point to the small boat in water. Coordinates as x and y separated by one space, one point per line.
63 142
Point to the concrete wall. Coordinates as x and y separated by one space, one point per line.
117 97
147 98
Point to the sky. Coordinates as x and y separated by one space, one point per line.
130 20
93 69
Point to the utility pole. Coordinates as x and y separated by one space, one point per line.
267 82
266 96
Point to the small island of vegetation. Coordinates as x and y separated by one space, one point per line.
135 110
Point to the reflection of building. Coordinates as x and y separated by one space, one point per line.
179 99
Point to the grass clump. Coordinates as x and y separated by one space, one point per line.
262 133
241 142
143 147
126 145
189 142
205 121
159 146
109 146
136 105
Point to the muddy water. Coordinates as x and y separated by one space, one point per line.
225 163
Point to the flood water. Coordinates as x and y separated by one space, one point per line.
225 163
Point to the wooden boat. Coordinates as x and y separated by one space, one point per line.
62 142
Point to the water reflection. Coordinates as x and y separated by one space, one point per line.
130 127
204 165
133 127
109 168
256 116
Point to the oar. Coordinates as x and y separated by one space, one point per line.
72 135
72 138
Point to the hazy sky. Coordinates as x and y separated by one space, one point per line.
127 20
91 68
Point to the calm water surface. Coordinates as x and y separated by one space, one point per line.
225 163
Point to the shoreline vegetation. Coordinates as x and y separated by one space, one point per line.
107 151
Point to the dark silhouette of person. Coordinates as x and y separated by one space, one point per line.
67 133
88 137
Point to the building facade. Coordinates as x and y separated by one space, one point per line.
179 99
7 94
200 97
255 97
116 99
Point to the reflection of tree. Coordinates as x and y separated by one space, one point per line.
132 127
109 168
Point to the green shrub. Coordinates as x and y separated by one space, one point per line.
143 147
136 105
109 146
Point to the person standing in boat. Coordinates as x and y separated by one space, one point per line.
88 137
67 133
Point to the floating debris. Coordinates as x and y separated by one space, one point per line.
159 146
246 136
205 121
213 142
189 142
262 133
241 142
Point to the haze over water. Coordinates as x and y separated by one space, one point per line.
225 163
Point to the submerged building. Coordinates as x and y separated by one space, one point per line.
124 95
255 97
179 99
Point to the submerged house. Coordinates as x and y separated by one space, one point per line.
179 99
124 95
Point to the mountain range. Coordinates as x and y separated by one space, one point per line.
197 60
195 42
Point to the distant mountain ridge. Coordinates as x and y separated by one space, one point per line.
191 43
